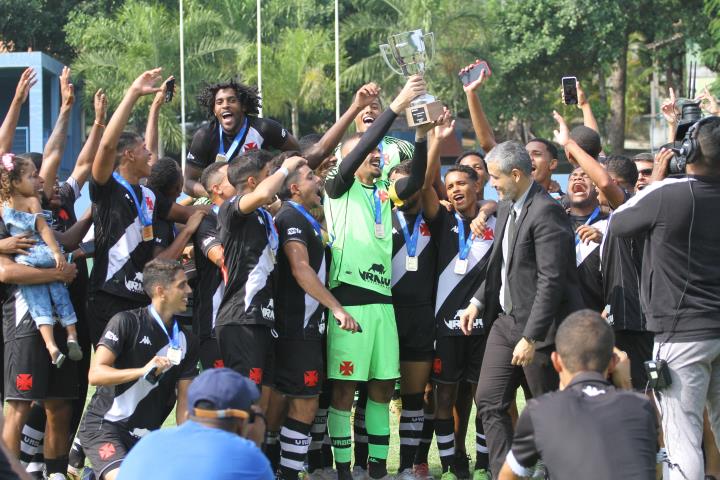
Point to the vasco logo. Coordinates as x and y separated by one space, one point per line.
376 274
135 285
294 231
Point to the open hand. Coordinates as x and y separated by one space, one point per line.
669 108
366 95
67 89
708 102
562 134
444 126
100 104
415 86
17 244
661 164
27 80
145 83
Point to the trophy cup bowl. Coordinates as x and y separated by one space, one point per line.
410 53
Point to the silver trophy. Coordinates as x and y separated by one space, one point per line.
409 50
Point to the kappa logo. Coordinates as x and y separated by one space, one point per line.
454 229
346 368
190 156
284 133
106 451
146 340
376 274
592 391
294 231
395 232
136 284
24 382
111 336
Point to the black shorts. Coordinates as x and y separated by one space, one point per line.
458 358
30 373
639 348
416 332
101 307
210 354
249 350
105 444
299 366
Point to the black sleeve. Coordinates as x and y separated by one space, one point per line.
66 194
639 214
523 454
437 225
406 186
162 206
207 235
340 179
101 193
274 135
200 154
188 365
163 232
118 333
230 213
292 227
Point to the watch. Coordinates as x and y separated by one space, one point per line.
531 341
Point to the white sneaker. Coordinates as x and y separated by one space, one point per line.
406 474
57 476
359 473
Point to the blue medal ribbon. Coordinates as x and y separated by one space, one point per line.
382 156
375 205
235 144
215 209
270 229
175 339
140 206
410 240
463 244
316 226
592 217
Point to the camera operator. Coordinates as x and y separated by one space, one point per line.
680 290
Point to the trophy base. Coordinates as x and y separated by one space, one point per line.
424 113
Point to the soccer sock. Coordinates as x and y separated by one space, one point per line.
272 449
77 455
377 419
445 437
421 455
411 425
360 435
481 450
327 452
338 423
56 465
317 435
294 443
33 433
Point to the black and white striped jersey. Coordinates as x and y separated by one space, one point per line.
210 285
120 252
412 288
135 337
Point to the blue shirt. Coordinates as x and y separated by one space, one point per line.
193 450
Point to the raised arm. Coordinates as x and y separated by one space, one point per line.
268 188
318 152
407 186
85 160
480 123
104 163
175 249
671 112
578 157
584 105
7 129
444 128
152 136
55 147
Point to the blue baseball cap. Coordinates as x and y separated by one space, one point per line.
224 388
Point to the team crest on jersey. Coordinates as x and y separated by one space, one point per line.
106 451
488 234
136 284
250 146
346 368
311 378
149 203
218 363
256 374
437 366
24 382
383 195
377 274
424 229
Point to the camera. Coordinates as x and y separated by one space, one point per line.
684 147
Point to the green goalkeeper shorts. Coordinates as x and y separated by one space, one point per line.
371 354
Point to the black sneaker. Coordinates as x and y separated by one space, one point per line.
461 466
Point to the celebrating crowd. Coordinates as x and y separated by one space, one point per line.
328 272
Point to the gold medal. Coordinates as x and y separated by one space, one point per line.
220 158
147 233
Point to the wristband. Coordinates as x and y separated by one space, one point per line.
475 302
99 124
284 171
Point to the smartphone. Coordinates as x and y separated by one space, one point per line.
151 376
472 73
169 90
569 89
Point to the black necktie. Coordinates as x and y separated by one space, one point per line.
511 243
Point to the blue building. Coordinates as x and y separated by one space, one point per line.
40 111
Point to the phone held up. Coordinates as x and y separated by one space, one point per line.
471 73
169 90
569 90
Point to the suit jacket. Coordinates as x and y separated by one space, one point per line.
541 273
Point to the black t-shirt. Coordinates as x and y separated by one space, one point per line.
262 133
211 287
17 321
249 261
588 431
135 337
120 252
297 314
621 260
412 288
587 260
455 290
164 231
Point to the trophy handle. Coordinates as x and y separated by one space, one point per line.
385 50
429 39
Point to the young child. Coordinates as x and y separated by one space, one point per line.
21 213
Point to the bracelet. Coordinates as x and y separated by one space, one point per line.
99 124
284 171
477 303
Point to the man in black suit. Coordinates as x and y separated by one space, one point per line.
530 286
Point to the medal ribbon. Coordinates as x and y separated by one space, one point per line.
592 217
463 244
175 339
410 240
236 143
140 206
